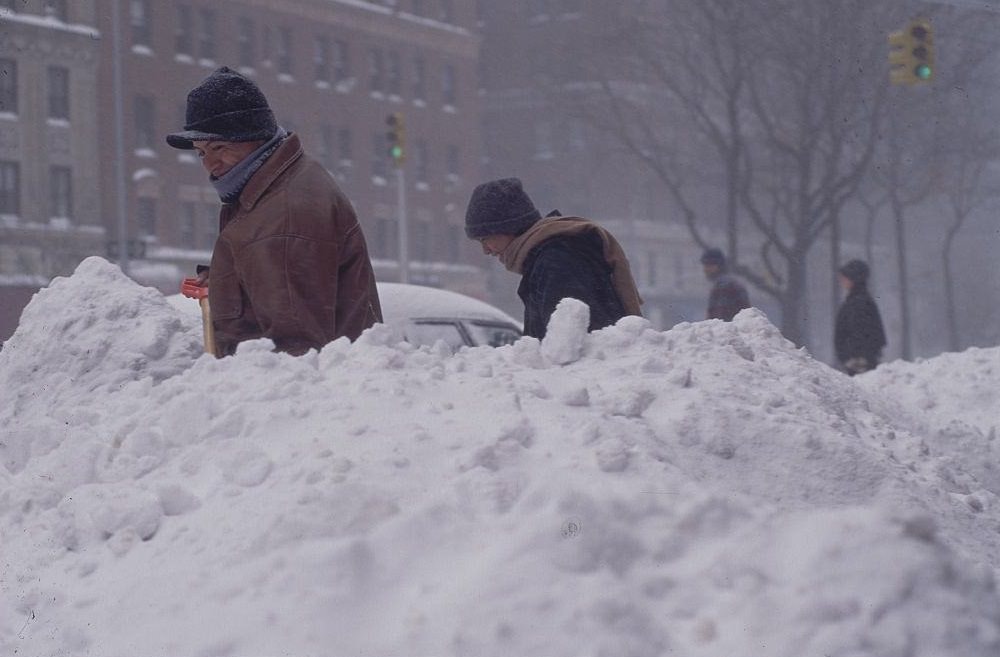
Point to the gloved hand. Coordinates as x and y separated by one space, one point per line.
195 288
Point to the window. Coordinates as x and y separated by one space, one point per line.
57 9
453 160
246 44
447 11
419 79
344 143
379 164
321 58
394 74
210 225
58 92
185 29
206 37
266 45
421 165
384 238
422 241
189 220
60 192
139 19
145 122
341 61
328 155
146 216
8 86
284 50
9 4
375 70
10 188
449 85
428 333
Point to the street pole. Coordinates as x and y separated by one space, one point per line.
119 119
404 240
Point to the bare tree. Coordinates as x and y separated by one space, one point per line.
777 103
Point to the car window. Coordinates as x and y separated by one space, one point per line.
494 335
429 332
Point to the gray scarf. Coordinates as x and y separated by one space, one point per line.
230 184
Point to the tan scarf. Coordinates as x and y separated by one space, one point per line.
517 252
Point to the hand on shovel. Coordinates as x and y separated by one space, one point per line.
197 288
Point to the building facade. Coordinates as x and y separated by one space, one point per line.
50 216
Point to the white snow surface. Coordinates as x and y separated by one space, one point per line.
705 491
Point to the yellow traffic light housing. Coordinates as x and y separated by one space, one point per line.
911 53
396 137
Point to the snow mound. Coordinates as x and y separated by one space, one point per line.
709 490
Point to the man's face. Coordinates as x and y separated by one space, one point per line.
218 157
494 245
711 269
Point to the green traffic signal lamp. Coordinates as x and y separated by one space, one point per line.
923 71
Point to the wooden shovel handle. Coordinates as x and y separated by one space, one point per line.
208 331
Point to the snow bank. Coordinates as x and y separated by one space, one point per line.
705 491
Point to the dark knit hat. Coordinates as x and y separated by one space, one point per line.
856 271
226 106
499 207
713 256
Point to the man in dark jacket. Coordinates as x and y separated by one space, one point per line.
858 336
290 262
557 257
728 296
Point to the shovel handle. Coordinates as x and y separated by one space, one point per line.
208 331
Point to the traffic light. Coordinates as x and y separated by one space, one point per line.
396 137
911 53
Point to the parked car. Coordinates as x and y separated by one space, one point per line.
425 315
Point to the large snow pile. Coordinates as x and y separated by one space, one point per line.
705 491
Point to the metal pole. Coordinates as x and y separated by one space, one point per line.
404 240
119 120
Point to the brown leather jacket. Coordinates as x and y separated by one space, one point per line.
291 263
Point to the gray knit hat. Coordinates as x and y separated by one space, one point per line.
499 207
226 106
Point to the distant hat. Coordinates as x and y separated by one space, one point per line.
499 207
713 256
856 271
226 106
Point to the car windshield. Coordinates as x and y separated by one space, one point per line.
494 335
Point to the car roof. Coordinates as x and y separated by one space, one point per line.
401 302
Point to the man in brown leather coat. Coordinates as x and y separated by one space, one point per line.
290 262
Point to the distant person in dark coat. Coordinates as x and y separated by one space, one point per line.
557 257
728 296
858 336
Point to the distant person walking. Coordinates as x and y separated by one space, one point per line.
290 262
858 335
557 257
728 295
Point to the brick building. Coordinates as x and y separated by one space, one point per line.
50 215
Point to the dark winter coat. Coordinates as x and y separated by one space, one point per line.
728 297
568 266
290 263
858 332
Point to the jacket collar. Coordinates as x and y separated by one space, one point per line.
286 154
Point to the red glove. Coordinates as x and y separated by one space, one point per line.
194 288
